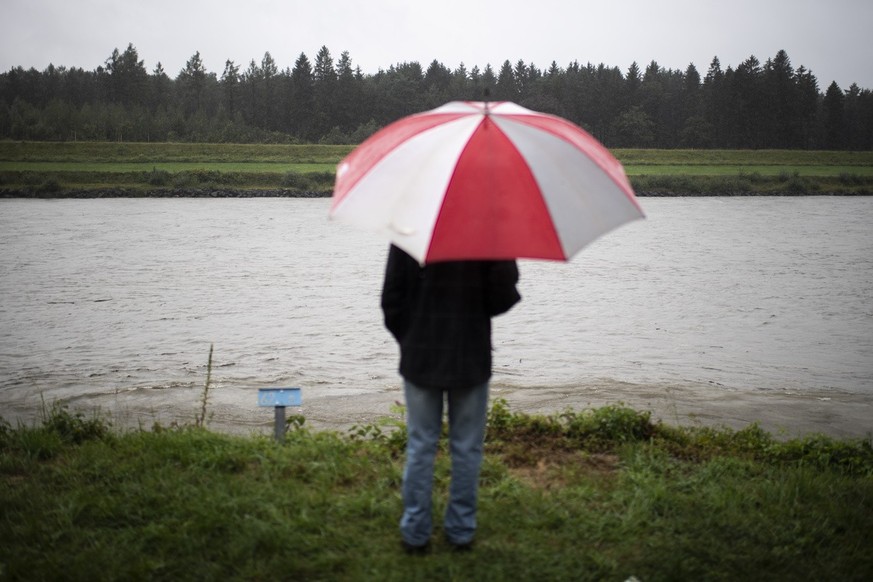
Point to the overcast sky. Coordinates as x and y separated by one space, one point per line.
830 37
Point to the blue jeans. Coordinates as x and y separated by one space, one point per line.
467 415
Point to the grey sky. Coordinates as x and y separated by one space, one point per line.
830 37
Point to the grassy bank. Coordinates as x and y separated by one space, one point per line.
56 169
601 494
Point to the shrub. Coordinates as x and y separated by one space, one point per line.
49 186
158 177
5 431
183 180
75 428
615 423
296 181
850 456
850 179
797 184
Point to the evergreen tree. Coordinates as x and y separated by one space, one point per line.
833 110
161 88
324 81
268 97
696 131
523 81
438 85
488 80
459 84
745 91
807 107
250 83
192 85
857 118
781 102
633 80
230 84
505 89
302 99
128 77
348 96
714 97
553 84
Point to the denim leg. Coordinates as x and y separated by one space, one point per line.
424 415
467 416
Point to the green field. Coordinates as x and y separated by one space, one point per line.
55 168
150 153
602 494
126 167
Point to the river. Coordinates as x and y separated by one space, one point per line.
712 310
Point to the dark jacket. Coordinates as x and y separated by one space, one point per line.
440 315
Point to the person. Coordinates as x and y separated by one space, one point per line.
440 315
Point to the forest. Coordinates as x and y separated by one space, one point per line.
754 105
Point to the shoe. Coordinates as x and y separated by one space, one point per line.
414 550
464 547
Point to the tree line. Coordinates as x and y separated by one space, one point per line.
752 106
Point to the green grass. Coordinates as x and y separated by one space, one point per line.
129 167
88 152
744 158
599 494
149 153
57 168
733 170
304 168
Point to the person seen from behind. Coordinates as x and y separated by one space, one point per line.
440 314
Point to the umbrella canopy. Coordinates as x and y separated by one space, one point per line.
480 180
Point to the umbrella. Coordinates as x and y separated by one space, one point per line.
484 180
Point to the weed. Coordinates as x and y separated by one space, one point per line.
389 432
851 179
158 177
201 419
37 444
296 181
183 180
798 184
785 176
854 457
59 428
74 428
50 185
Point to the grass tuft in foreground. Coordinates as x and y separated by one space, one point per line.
601 494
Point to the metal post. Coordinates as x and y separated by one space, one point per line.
279 398
280 424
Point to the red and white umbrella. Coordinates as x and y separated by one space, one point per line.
484 180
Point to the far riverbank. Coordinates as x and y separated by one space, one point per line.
104 170
280 193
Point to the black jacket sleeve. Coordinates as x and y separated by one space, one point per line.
502 294
395 292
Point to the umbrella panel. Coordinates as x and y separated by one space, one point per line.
492 206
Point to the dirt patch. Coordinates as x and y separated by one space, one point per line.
550 469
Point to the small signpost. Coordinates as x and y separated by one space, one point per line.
279 398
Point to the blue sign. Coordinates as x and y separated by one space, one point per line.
279 397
